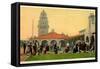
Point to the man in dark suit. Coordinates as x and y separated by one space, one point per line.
92 42
24 46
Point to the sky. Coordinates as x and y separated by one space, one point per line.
68 21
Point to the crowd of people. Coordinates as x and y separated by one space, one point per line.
34 48
85 46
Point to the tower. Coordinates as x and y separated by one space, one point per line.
91 23
43 24
90 28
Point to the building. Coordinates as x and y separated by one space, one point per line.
91 28
52 37
44 36
86 33
43 24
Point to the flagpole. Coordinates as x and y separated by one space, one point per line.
32 27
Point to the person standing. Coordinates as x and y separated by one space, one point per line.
30 46
55 48
34 47
92 42
24 46
67 48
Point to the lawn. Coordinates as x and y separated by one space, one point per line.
60 56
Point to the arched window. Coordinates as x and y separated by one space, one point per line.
53 42
44 43
63 43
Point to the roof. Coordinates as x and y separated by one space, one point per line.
83 30
53 35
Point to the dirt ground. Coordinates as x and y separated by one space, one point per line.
23 56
